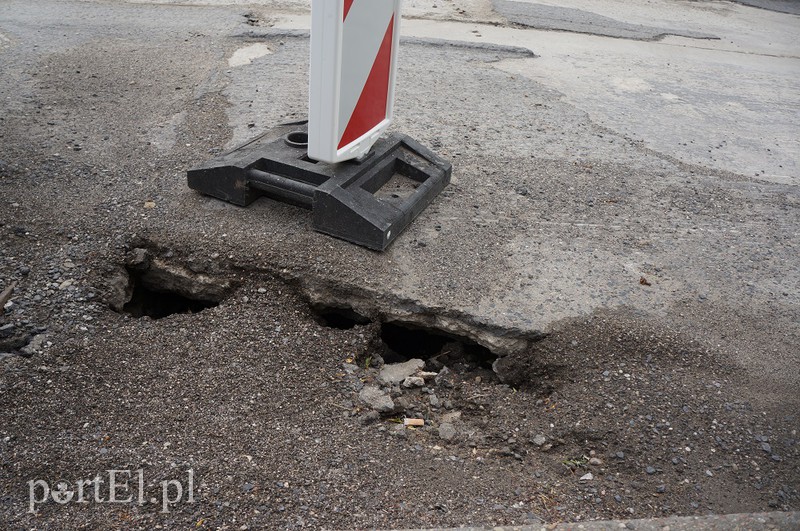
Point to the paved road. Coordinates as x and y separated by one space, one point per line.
598 162
782 6
601 161
606 175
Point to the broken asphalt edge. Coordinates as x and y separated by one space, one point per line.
273 33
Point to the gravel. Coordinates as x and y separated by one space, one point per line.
376 399
447 431
393 373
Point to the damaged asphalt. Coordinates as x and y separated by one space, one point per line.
611 277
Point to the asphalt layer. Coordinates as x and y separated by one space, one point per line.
548 17
643 303
781 6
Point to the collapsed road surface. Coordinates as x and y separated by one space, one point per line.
597 319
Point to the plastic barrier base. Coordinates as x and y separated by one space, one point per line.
368 201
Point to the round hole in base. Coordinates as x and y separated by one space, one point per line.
298 139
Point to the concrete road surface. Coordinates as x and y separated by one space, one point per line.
602 160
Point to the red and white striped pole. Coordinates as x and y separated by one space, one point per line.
353 64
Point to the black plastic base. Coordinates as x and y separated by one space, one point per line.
368 202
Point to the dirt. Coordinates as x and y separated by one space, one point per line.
259 398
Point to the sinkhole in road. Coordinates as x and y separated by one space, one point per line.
339 317
157 303
148 285
399 341
437 347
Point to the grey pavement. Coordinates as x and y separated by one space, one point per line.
548 17
577 172
782 6
592 165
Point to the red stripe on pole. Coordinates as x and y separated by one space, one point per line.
347 5
371 107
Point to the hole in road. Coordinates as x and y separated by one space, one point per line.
146 301
341 318
437 347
